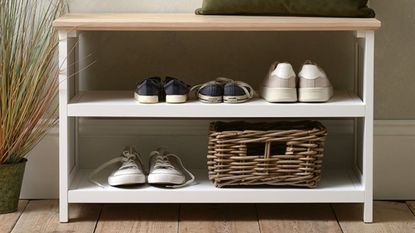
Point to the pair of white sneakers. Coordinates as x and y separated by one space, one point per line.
165 169
281 84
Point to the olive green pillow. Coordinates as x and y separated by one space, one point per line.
318 8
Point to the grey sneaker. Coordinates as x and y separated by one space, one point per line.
130 171
280 84
314 86
168 169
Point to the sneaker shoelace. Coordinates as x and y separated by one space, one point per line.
128 159
246 87
162 162
222 80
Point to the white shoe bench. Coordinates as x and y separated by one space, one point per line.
348 185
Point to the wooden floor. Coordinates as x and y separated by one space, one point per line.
42 216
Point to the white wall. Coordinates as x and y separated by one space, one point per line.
134 5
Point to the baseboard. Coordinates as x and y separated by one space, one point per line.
394 160
394 128
394 157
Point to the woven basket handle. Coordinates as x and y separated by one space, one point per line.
267 150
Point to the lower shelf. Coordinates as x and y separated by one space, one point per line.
336 186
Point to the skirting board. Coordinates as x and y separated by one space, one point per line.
393 178
394 160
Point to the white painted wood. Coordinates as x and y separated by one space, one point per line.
63 127
360 34
72 34
336 186
122 104
368 95
67 151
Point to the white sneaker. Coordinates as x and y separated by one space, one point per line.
280 84
166 169
129 173
314 86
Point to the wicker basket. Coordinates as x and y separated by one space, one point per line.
279 153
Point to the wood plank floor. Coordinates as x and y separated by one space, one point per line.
42 216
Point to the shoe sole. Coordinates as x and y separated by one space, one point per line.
146 99
176 99
235 99
210 99
279 95
165 179
126 180
310 95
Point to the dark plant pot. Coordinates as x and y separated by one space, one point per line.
11 178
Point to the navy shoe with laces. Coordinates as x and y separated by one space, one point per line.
223 90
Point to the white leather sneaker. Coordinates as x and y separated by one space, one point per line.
129 173
280 84
167 169
314 86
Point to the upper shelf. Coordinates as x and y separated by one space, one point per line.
122 104
192 22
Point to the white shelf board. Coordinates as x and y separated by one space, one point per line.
122 104
337 186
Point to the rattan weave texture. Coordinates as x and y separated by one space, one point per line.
279 153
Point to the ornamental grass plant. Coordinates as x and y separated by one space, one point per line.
29 72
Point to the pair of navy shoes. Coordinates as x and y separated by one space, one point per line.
172 90
154 90
224 90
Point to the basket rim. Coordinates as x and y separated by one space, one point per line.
277 126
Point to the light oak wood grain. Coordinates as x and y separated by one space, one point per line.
42 216
389 217
7 221
192 22
411 205
218 218
310 218
147 218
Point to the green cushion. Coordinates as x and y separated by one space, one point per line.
318 8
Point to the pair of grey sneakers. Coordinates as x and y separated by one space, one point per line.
166 169
282 84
